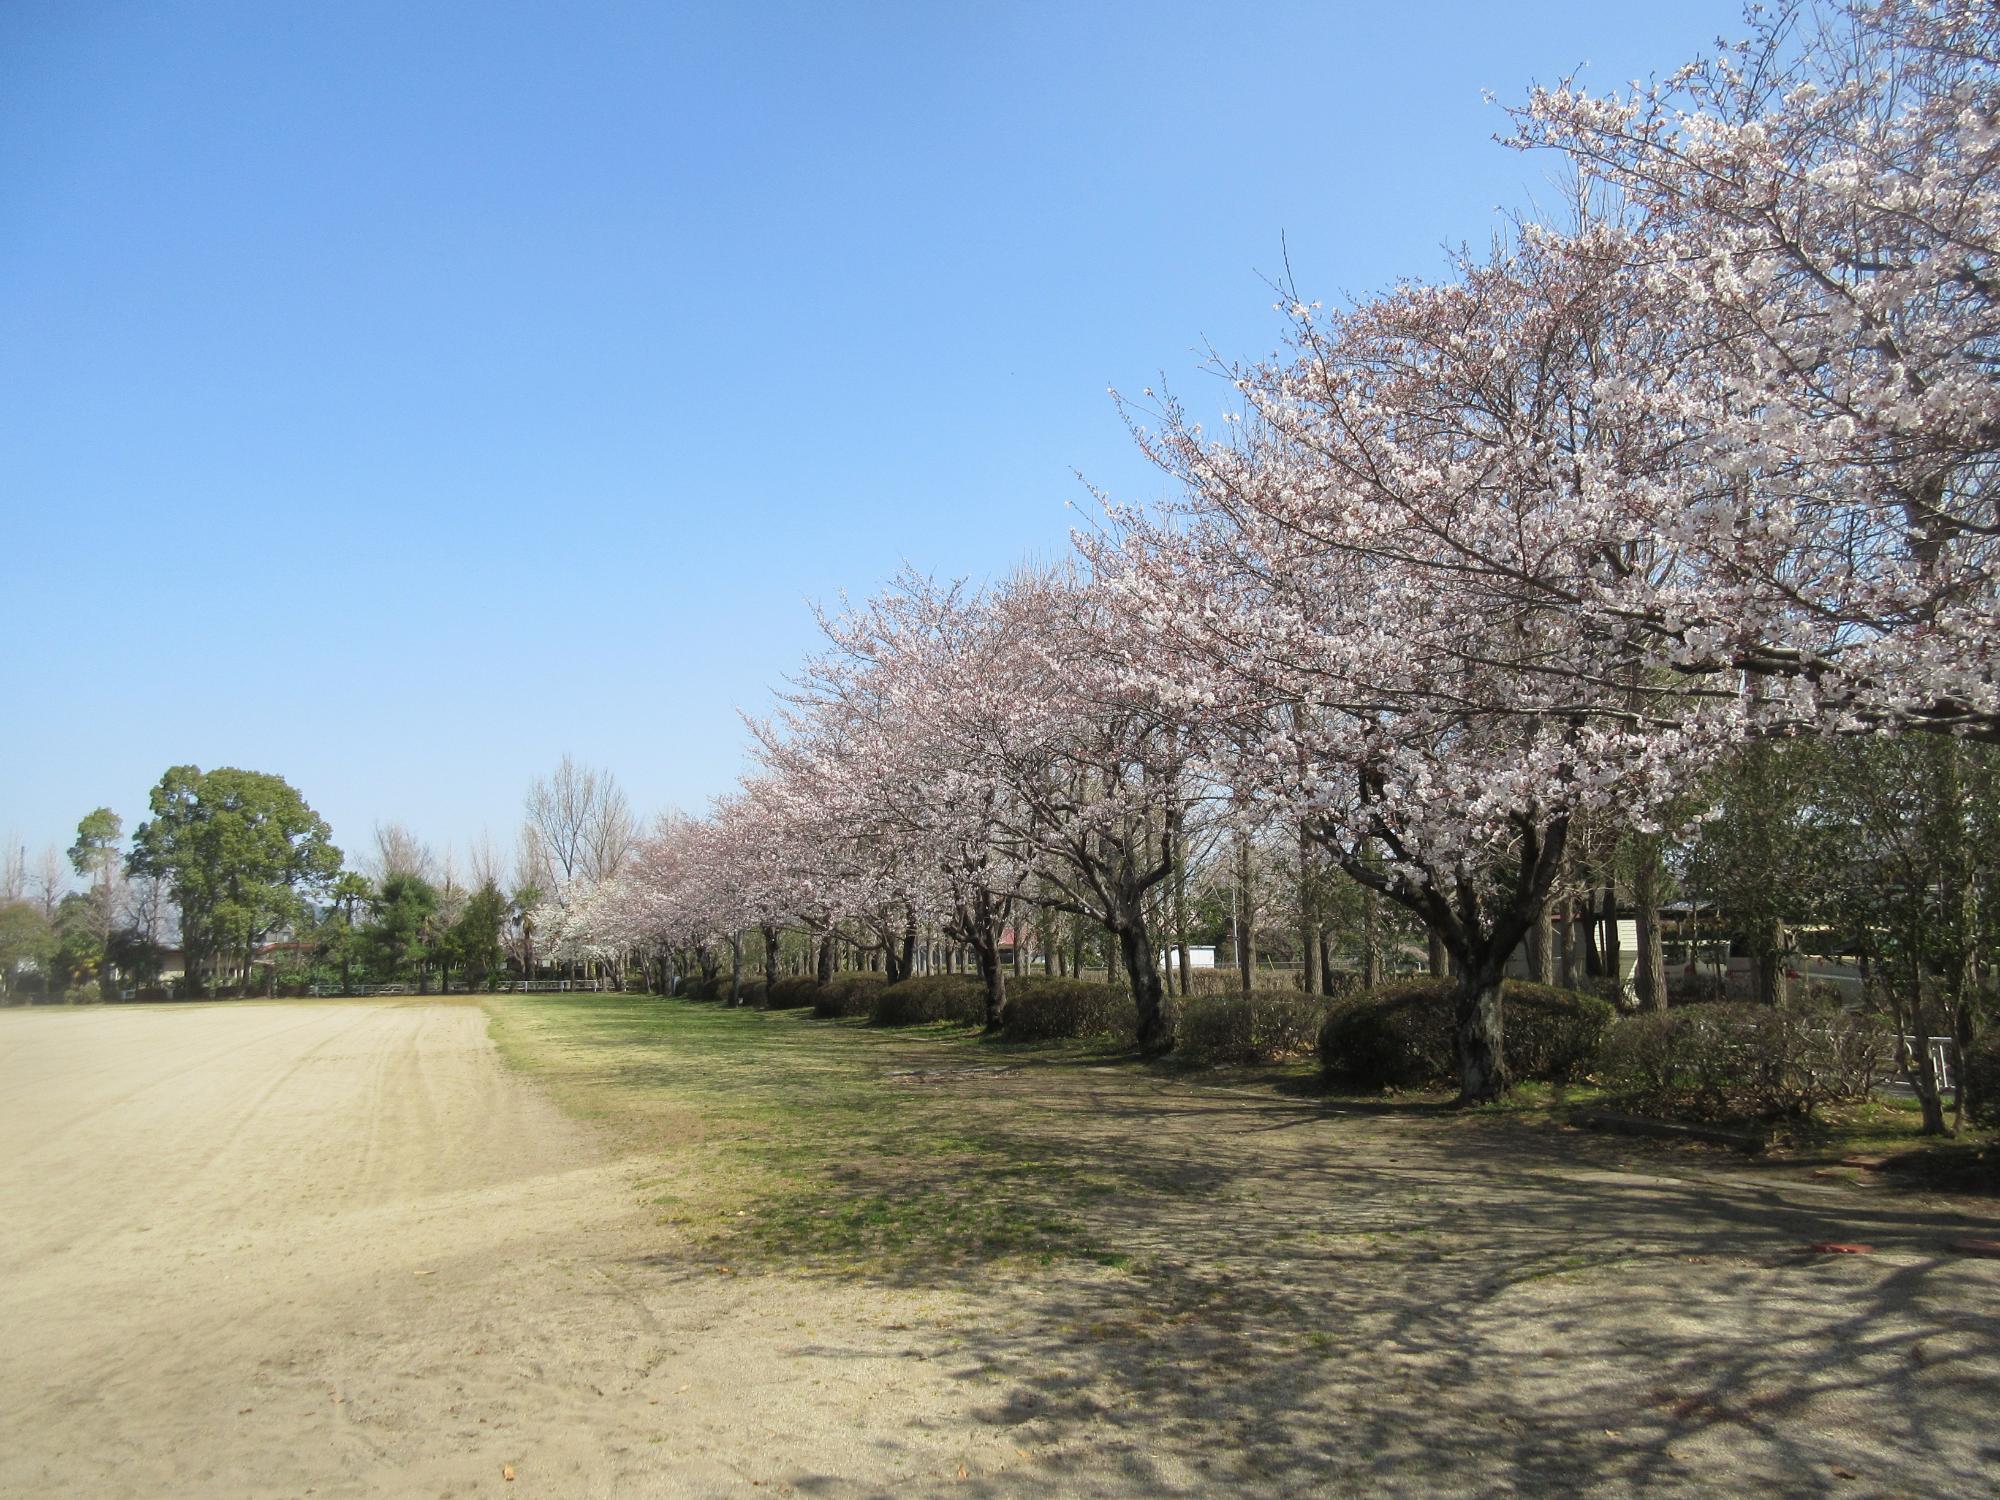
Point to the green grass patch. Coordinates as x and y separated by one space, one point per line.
785 1139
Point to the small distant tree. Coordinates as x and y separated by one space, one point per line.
27 943
95 857
473 942
398 939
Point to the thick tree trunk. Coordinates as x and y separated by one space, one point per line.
1439 957
1136 948
1482 1055
770 959
1542 948
987 951
1649 979
1772 988
823 968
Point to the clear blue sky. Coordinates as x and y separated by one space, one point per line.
394 396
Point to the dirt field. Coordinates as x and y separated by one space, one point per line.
342 1249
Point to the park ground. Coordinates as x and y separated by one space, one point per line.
618 1246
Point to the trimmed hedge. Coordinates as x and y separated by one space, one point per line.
795 993
1733 1062
1040 1010
1405 1035
697 988
1264 1026
925 998
850 993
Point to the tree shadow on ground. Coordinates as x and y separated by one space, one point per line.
1228 1290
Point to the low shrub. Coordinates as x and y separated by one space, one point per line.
851 993
924 998
1405 1035
1041 1010
695 987
1265 1026
795 993
752 994
1731 1062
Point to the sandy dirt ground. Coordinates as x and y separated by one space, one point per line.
340 1249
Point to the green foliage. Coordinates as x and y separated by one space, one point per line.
1734 1062
930 997
95 852
238 850
398 936
1267 1026
472 943
1405 1035
1056 1009
851 993
28 944
795 993
695 987
1980 1070
79 951
752 994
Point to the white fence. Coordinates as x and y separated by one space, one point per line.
1940 1047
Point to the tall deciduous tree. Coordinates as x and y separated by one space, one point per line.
240 851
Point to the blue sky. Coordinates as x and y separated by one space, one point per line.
394 397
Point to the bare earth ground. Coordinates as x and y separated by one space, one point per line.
342 1249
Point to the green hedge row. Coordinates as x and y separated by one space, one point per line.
1729 1062
1042 1010
1406 1035
1262 1027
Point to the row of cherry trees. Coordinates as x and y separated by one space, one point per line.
1468 562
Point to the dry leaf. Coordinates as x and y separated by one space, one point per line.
507 1472
961 1471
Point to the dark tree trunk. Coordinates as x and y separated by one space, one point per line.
1649 978
1371 940
770 959
1440 956
823 968
1614 959
1308 917
1135 946
1482 1052
1246 925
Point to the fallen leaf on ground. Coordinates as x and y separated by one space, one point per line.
1836 1247
507 1472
